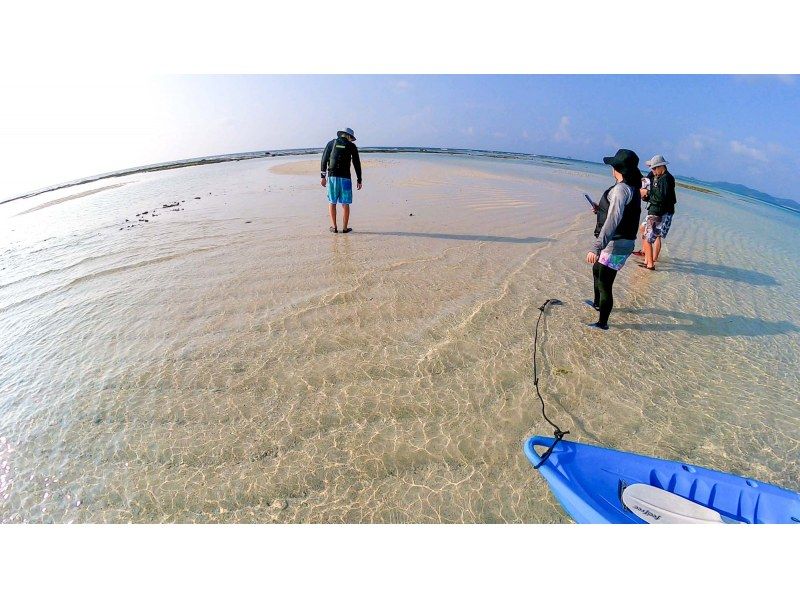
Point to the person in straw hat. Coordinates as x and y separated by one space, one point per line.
336 177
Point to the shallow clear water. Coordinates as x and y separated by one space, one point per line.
234 361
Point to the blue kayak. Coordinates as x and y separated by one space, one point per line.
601 485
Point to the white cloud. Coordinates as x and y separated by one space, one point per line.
757 79
563 133
401 85
775 149
610 141
228 122
700 142
712 146
739 148
699 146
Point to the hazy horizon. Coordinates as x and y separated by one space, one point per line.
196 160
737 129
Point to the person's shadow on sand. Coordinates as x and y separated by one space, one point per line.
720 271
451 237
728 325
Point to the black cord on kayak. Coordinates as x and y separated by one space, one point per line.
557 432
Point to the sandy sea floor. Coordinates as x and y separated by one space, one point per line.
230 360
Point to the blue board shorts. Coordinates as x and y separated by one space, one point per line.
340 190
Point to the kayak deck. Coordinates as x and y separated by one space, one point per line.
588 481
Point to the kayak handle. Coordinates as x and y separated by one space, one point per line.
535 458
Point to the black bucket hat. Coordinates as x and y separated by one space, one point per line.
624 161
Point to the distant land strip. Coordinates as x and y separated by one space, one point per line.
786 204
696 188
261 154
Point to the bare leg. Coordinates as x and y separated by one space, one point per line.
656 249
648 253
345 215
641 236
332 208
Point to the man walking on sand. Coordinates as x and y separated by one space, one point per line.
661 198
335 171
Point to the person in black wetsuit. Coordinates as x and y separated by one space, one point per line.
615 233
335 173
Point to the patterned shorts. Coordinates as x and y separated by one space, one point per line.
340 190
657 226
616 253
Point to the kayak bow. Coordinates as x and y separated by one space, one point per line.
590 482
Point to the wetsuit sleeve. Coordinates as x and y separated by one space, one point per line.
658 196
618 198
357 164
326 154
673 199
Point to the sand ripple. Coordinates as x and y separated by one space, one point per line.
235 362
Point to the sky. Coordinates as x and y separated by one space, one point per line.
735 128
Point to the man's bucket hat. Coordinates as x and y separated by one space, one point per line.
657 160
347 130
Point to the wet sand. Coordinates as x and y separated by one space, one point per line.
229 360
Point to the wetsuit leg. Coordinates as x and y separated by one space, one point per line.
595 275
603 283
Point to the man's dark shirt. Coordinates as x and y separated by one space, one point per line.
662 195
337 156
